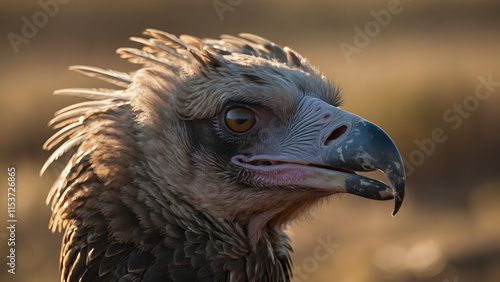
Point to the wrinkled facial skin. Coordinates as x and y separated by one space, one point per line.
296 149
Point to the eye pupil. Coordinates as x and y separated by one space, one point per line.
240 119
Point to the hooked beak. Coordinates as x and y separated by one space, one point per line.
366 148
347 144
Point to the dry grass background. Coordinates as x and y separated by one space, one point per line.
426 60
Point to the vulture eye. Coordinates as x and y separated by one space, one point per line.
240 120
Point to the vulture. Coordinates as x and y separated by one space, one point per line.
192 168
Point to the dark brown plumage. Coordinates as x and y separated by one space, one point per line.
191 171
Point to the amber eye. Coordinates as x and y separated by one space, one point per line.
240 120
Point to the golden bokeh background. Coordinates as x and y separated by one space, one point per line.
420 76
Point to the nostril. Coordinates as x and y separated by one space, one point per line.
336 134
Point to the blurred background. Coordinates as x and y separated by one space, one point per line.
419 69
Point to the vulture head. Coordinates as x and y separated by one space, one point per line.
192 169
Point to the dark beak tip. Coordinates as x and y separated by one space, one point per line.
398 201
396 208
